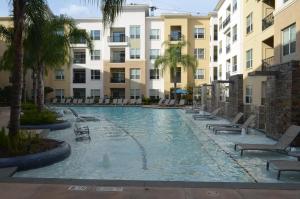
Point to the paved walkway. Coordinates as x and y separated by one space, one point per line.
65 191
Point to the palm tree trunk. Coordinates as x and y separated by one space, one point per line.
15 108
40 87
175 83
24 96
34 86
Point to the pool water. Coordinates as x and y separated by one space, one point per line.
141 144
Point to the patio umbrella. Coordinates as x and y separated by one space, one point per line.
181 91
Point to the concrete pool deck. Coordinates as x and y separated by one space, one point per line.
51 188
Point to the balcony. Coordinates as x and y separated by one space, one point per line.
267 21
267 63
117 40
117 56
117 75
227 21
228 48
176 36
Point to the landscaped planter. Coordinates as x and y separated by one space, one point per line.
32 161
52 127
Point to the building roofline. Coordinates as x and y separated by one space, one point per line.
219 4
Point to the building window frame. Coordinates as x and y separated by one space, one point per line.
135 31
135 73
199 53
135 93
95 75
234 63
59 93
154 34
95 93
135 53
200 74
249 23
289 44
249 58
249 94
199 33
95 35
59 74
154 73
95 55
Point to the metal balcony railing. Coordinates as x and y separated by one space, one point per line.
267 62
117 80
117 39
227 21
176 36
267 21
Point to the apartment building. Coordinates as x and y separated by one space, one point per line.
230 38
214 42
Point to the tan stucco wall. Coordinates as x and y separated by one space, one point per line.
284 18
254 41
134 84
188 24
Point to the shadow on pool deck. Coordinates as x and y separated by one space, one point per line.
51 188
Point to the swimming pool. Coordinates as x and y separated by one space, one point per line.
142 144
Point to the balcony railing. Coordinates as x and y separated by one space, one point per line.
117 80
266 63
228 48
176 37
267 21
117 60
79 61
117 39
227 21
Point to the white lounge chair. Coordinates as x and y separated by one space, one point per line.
54 101
101 101
172 102
120 102
80 101
68 101
181 102
115 101
161 101
125 101
63 101
107 101
166 102
75 101
139 101
132 101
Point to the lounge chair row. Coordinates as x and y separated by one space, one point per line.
100 101
171 102
281 146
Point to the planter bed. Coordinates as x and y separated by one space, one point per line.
61 151
52 127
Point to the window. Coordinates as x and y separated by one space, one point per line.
248 96
135 73
95 93
135 93
289 40
79 93
59 74
95 34
178 75
216 32
79 57
215 73
199 53
199 33
234 32
154 53
220 71
154 34
249 59
78 76
95 74
117 75
154 73
228 40
154 93
59 93
199 74
234 64
135 32
220 23
95 55
134 53
234 5
249 23
220 47
215 53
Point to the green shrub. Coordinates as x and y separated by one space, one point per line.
31 116
21 144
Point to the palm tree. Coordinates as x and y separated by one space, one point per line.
110 9
173 58
49 44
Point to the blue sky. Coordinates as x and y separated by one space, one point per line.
79 8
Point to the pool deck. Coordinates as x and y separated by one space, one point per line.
51 188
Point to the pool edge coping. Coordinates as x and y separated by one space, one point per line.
163 184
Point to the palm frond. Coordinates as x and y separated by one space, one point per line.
6 34
110 9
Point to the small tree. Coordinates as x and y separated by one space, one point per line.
173 58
